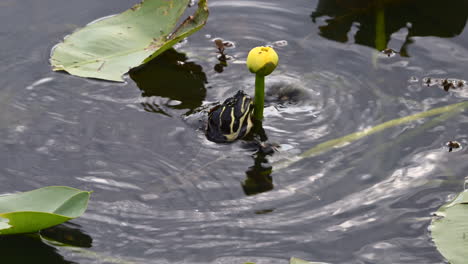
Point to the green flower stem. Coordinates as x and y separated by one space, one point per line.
259 99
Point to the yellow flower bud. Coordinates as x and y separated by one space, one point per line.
262 60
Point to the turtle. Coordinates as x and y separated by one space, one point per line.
230 120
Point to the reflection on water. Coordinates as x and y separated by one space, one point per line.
222 56
171 76
258 177
22 249
35 248
68 234
417 18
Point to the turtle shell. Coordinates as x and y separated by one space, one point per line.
231 120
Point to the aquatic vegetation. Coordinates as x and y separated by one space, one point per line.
449 229
222 57
389 52
232 118
295 261
262 61
106 49
451 145
300 261
29 212
445 83
445 112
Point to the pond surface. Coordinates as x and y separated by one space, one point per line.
165 194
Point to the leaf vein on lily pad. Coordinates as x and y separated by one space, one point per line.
32 211
108 48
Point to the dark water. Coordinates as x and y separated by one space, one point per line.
164 194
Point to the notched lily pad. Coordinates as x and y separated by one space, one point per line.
32 211
108 48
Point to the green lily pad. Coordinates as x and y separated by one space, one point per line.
108 48
300 261
450 229
295 261
29 212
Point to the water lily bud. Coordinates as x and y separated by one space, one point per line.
262 60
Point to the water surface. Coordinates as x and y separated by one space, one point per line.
165 194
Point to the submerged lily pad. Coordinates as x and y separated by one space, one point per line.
295 261
450 229
32 211
108 48
300 261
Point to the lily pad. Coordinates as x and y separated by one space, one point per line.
110 47
450 229
29 212
300 261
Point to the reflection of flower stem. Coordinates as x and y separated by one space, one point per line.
259 96
258 178
380 41
340 142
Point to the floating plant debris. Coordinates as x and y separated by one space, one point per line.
264 211
229 44
219 67
428 81
389 52
268 148
444 83
220 45
453 145
447 85
280 43
222 57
